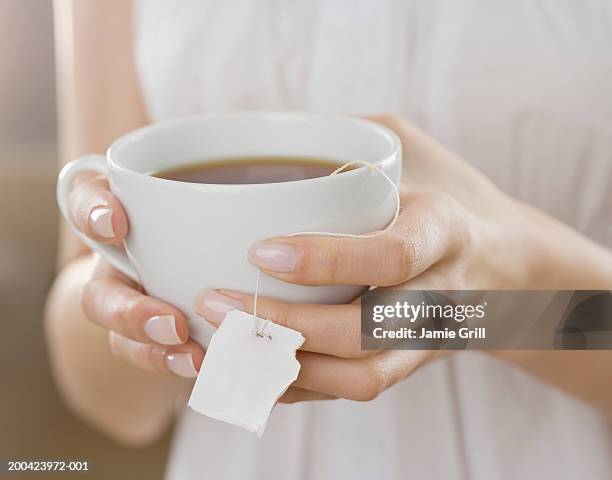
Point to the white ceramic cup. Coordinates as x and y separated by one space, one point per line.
184 237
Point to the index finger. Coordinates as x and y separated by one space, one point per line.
429 227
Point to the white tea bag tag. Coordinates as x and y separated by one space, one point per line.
244 374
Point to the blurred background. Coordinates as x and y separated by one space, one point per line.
33 421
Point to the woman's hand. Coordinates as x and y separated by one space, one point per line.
333 364
142 330
455 231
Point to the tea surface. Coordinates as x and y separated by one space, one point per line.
251 170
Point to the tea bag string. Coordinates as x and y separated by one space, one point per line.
261 332
378 233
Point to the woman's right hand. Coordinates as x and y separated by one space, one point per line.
142 330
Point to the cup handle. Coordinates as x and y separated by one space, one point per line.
97 163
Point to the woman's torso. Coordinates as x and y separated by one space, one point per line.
520 89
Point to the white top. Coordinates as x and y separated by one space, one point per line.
520 89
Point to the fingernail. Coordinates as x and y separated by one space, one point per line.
162 329
101 221
274 256
181 364
213 305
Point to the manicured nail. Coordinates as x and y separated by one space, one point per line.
101 221
162 329
274 256
213 306
181 364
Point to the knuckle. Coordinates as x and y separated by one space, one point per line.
334 263
132 314
451 216
280 313
133 308
373 384
92 184
80 190
321 262
156 357
86 193
78 208
100 181
306 259
405 258
352 336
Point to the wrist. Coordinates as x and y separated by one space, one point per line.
558 257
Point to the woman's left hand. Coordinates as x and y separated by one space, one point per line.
456 230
